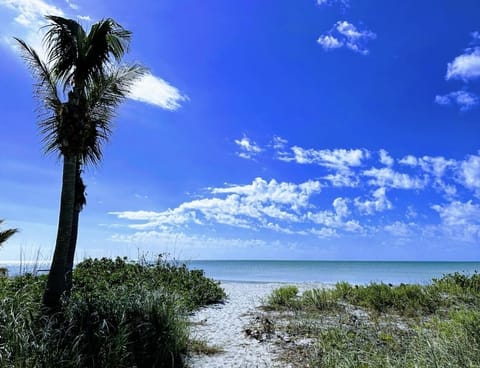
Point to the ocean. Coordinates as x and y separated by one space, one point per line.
331 272
325 272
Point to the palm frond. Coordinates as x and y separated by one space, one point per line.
63 41
105 38
4 235
46 92
46 85
106 93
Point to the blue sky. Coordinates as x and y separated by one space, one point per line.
301 129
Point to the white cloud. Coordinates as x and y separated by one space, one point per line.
411 213
72 5
329 42
465 66
30 13
399 229
465 100
459 213
86 18
345 34
469 173
409 160
342 179
338 159
379 202
460 220
336 219
248 148
436 166
386 177
294 195
28 18
385 158
279 143
260 204
156 91
168 238
331 2
325 232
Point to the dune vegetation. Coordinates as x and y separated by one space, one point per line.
119 314
380 325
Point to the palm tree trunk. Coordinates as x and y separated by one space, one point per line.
56 283
79 202
71 251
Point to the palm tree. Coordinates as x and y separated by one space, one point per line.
80 85
5 234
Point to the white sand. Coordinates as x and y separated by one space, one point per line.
224 326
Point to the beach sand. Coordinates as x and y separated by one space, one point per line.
223 326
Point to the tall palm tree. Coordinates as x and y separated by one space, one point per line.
5 234
79 85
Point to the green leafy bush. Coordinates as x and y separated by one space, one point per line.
97 275
285 296
119 314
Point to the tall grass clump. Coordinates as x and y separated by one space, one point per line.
119 314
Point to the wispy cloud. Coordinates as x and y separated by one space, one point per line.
345 34
460 220
72 4
336 219
378 203
285 209
465 100
436 166
400 229
469 173
261 204
465 67
158 92
337 159
386 177
345 3
248 148
28 16
342 179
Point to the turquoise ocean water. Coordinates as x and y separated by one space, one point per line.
328 272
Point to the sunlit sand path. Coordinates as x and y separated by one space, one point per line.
224 326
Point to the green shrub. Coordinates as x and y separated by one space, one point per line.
98 275
285 296
119 314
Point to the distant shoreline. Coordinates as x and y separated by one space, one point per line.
299 272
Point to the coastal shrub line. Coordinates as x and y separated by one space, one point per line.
119 314
380 325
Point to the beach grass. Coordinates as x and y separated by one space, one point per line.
380 325
120 314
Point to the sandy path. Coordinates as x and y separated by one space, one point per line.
223 326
